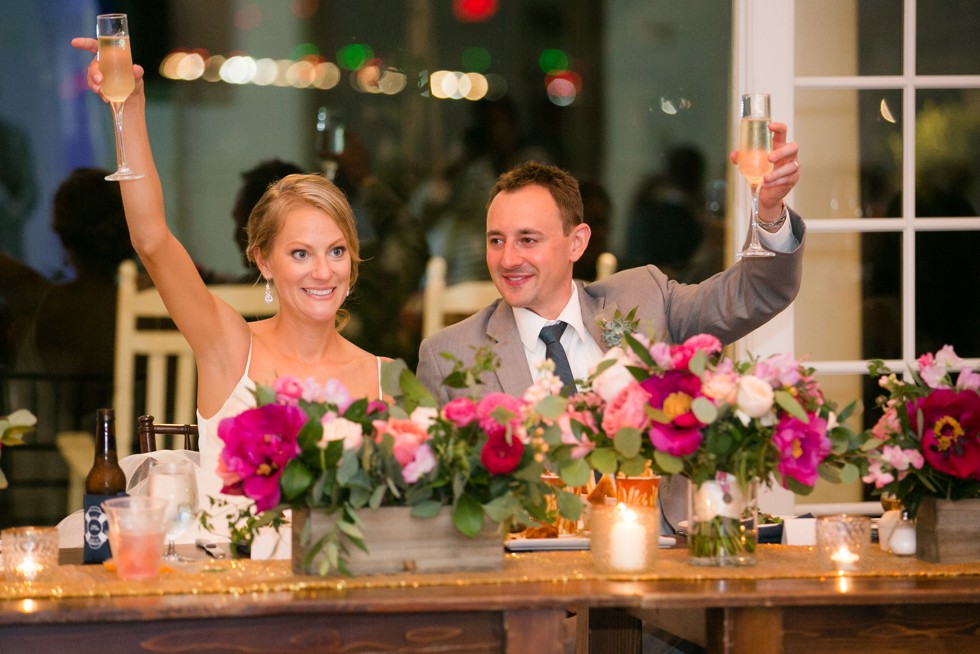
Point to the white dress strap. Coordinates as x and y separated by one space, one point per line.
380 394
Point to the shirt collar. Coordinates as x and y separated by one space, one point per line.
529 324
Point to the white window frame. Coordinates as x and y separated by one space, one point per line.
763 60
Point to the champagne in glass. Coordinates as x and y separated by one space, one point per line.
175 482
754 146
116 65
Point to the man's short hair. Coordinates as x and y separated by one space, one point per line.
562 186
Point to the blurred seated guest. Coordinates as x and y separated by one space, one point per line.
394 251
666 225
597 214
68 328
452 204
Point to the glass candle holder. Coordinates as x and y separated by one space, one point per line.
29 552
842 540
624 538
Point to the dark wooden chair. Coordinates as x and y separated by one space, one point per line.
148 433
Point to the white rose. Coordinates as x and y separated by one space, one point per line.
424 416
754 397
613 379
342 429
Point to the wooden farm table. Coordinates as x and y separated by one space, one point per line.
780 605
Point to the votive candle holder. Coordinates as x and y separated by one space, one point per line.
624 538
29 552
842 541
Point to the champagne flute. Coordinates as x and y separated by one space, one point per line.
754 146
175 482
116 65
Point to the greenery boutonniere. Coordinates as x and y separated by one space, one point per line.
614 329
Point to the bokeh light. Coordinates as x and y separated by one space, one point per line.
327 75
476 59
304 8
354 55
553 59
496 87
392 82
212 69
478 86
474 11
302 50
238 70
266 71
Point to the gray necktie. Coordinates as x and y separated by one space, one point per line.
551 334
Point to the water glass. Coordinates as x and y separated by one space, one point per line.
136 533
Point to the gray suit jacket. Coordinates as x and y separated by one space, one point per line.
728 305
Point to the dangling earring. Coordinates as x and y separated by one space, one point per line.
348 292
268 292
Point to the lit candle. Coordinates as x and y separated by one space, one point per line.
29 569
628 541
845 559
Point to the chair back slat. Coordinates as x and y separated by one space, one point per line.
149 431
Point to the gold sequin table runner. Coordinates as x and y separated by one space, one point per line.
245 576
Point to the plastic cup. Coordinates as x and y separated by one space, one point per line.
136 533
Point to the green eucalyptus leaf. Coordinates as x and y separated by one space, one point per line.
791 405
670 464
569 505
426 509
704 409
604 460
575 473
552 407
468 515
627 441
296 478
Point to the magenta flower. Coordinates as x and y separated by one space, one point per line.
802 446
258 444
951 431
673 394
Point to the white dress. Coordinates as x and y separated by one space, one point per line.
208 482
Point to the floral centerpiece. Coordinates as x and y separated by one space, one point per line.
725 425
927 441
12 430
312 446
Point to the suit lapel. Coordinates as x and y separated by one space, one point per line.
594 309
513 375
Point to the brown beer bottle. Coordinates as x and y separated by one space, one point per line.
106 479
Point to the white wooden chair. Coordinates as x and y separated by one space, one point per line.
442 305
605 265
143 330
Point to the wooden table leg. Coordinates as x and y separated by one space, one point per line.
534 632
745 629
611 630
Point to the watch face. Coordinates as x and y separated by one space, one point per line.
96 527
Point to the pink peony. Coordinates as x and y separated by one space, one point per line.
490 403
408 437
720 386
681 354
627 409
802 446
288 390
460 411
968 381
901 459
258 444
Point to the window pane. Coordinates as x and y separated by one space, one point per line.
866 37
946 313
947 152
850 149
946 37
828 308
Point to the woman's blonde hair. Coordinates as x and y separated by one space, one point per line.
265 221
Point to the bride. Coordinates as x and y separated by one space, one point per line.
303 240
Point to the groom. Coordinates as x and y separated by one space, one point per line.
535 233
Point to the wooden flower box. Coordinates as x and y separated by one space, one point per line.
948 531
397 542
